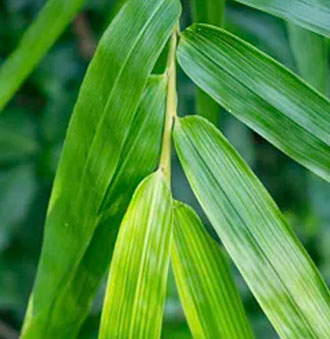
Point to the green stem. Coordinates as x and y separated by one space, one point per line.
171 108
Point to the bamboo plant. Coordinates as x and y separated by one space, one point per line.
111 208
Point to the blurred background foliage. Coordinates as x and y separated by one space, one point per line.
32 130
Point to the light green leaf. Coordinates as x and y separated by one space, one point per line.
207 290
136 288
311 53
311 14
209 12
34 44
276 267
101 121
261 92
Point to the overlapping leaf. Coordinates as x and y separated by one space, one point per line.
262 93
311 14
137 281
36 41
107 102
207 290
272 261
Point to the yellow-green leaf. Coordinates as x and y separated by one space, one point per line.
136 290
207 290
274 264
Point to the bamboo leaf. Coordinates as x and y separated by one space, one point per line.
261 92
311 53
136 289
101 121
138 159
276 267
209 12
311 14
34 44
207 290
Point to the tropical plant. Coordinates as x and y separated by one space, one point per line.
111 203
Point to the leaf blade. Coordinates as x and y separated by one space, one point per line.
260 92
207 290
312 14
34 45
102 117
276 267
133 306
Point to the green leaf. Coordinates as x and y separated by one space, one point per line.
276 267
139 158
207 290
260 92
34 44
311 53
311 14
101 121
136 288
209 12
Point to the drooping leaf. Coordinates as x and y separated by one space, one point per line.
207 290
101 121
136 290
274 264
208 12
261 92
311 54
311 14
34 44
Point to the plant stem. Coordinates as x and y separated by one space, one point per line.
171 108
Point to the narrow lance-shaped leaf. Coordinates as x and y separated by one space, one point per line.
311 14
207 290
34 44
136 290
106 105
139 158
311 54
274 264
208 12
261 92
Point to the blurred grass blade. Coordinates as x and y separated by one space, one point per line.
208 12
139 158
136 289
261 92
34 44
207 290
311 14
276 267
101 121
311 54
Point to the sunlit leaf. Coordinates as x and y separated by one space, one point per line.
136 289
101 121
261 92
274 264
207 290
